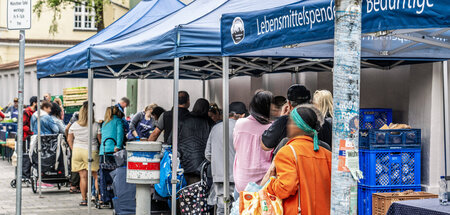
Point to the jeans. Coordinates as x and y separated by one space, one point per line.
217 197
236 194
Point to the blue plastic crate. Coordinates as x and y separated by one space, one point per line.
374 118
10 127
365 195
389 139
390 167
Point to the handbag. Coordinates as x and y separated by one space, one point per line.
296 166
193 199
109 163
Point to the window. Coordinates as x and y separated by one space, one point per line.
84 17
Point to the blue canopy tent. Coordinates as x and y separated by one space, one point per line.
404 33
77 57
416 33
190 40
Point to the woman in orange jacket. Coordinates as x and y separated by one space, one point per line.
308 170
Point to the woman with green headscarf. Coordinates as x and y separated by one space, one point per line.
302 167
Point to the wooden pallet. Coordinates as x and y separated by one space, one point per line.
72 91
73 103
75 97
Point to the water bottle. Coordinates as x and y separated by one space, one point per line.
443 198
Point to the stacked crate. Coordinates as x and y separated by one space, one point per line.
389 159
74 98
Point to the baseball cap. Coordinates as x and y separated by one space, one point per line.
238 108
298 93
16 99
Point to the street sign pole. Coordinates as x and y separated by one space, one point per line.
346 84
20 140
19 18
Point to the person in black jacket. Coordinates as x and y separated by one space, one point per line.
166 119
193 136
297 94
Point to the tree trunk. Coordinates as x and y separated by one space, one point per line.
99 16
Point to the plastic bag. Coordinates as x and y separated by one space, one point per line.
255 200
164 187
260 203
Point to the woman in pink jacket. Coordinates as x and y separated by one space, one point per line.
251 162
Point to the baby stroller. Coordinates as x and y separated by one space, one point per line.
26 166
55 161
105 181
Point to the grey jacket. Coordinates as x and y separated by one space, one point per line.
214 151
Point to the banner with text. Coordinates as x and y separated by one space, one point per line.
308 21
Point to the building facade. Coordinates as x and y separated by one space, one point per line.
77 23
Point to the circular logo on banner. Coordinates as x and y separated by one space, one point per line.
237 30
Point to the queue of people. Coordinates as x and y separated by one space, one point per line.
284 140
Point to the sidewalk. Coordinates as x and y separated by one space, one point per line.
53 201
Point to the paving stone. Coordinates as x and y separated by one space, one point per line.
54 201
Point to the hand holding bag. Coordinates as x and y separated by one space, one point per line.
260 203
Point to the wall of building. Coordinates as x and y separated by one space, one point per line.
160 92
426 112
114 10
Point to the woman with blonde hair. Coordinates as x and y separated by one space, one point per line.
323 100
142 124
79 142
112 131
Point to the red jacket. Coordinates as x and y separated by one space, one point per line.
27 113
2 115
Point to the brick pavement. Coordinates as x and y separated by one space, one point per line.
53 201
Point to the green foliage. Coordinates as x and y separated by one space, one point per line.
56 6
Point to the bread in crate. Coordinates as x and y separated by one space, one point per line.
382 201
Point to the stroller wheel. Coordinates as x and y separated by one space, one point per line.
13 183
34 184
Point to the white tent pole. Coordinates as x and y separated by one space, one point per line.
39 135
446 113
90 119
176 74
346 85
226 122
204 88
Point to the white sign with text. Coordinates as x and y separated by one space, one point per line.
19 14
